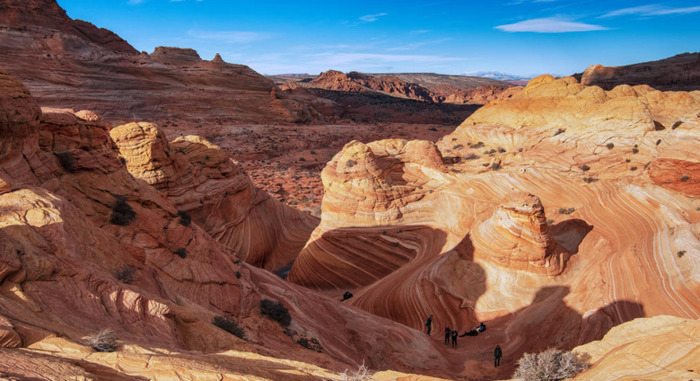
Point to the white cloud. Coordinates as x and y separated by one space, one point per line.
651 10
231 36
549 25
372 18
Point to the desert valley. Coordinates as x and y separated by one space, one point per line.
211 222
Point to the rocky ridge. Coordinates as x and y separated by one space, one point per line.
681 72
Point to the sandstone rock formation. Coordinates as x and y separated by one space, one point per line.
552 216
359 82
658 348
204 183
681 72
86 246
64 61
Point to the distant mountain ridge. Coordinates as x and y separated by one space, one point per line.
678 73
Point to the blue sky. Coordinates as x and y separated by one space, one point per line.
522 37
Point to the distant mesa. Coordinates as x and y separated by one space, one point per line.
166 53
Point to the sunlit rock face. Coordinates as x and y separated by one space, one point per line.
202 181
552 216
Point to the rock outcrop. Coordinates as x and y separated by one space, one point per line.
658 348
47 14
358 83
209 187
681 72
85 246
551 216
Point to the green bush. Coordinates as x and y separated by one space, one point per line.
551 365
229 326
275 311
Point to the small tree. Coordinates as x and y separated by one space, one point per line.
551 365
122 213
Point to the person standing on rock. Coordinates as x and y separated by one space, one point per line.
448 331
429 324
497 354
454 338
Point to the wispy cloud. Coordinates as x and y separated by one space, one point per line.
651 10
372 18
416 45
230 36
549 25
345 59
133 2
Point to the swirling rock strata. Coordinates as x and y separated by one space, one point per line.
201 180
658 348
86 246
609 234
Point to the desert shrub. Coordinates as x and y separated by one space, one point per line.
658 141
126 274
350 163
633 168
585 167
185 218
610 146
676 125
471 156
501 150
551 365
495 166
105 341
685 178
458 146
589 180
361 374
181 252
635 150
658 126
311 344
66 160
275 311
122 214
566 211
560 131
477 145
680 253
229 326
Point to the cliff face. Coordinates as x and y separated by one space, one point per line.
541 215
69 63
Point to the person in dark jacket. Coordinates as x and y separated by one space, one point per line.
497 354
448 331
454 338
429 323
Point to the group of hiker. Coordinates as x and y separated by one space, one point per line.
452 334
